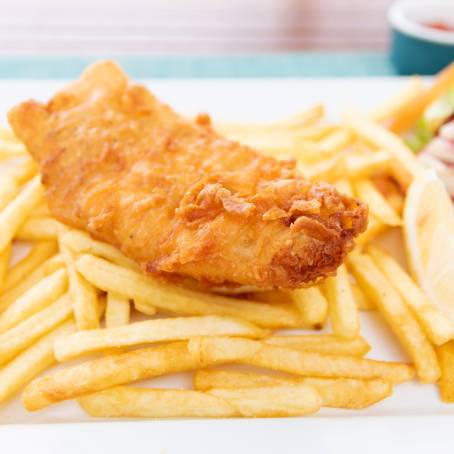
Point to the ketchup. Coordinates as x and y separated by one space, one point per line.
443 26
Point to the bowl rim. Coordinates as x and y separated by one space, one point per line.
399 21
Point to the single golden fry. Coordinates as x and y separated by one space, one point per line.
83 294
330 169
335 392
343 312
8 190
312 306
38 229
150 331
316 132
178 300
30 363
117 310
363 302
283 359
109 371
48 267
446 383
405 166
296 122
312 152
35 299
23 169
81 242
344 186
364 166
41 211
11 149
394 105
397 315
271 401
24 334
378 205
144 307
128 401
37 255
438 327
322 343
374 229
5 256
7 134
18 210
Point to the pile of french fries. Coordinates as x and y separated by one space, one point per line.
71 297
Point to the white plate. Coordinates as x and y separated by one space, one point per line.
413 419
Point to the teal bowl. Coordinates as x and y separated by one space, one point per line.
417 47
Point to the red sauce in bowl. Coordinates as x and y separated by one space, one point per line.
439 25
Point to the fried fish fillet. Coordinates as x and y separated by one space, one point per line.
174 195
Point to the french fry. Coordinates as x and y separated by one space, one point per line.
363 302
246 351
271 401
446 383
171 298
335 392
374 229
343 312
316 132
38 229
5 256
24 334
293 123
18 209
378 205
8 190
117 310
404 164
128 401
144 307
48 267
41 210
322 343
109 371
344 186
31 362
360 167
83 294
81 242
35 299
11 149
407 115
438 327
312 152
312 306
391 108
23 169
7 134
39 253
391 191
274 143
151 331
330 169
397 315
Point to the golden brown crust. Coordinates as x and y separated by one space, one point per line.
177 197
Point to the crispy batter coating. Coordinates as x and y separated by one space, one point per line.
174 195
